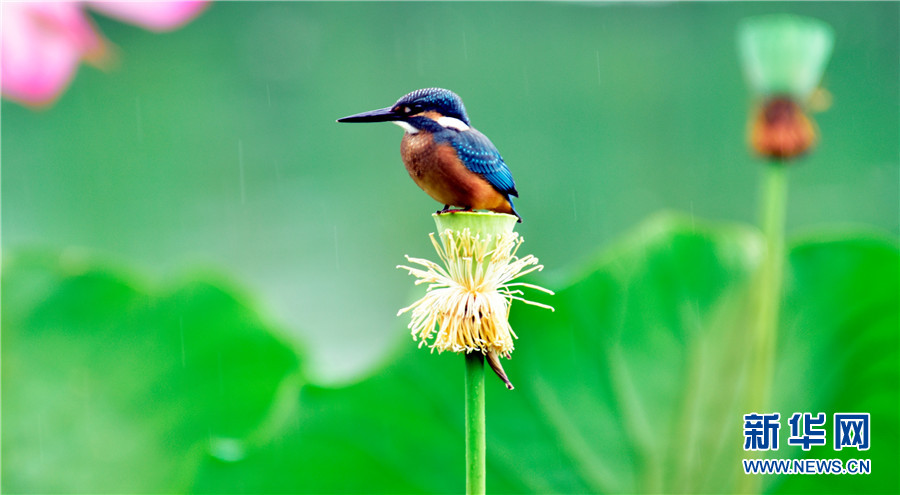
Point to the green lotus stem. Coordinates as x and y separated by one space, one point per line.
475 424
766 300
769 287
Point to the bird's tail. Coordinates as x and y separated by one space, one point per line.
513 209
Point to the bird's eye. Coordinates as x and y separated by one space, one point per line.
407 110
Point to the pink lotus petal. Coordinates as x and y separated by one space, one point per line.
42 45
155 16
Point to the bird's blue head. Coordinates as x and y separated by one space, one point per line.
430 103
443 101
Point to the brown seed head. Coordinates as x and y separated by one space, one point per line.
781 129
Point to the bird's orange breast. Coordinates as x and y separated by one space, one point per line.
437 169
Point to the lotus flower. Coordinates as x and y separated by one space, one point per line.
43 43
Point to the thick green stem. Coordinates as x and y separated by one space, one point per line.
774 207
475 425
766 297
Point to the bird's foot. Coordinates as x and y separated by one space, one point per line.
448 209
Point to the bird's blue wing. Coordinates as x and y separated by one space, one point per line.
479 155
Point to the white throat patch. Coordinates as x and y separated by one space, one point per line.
453 123
406 126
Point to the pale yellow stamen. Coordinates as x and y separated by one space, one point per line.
468 298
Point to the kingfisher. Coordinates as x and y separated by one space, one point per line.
444 155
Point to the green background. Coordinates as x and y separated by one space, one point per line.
216 145
211 152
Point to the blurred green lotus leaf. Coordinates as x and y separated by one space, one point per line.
112 388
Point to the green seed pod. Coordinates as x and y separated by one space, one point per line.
784 54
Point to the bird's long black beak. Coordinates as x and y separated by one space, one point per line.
380 115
